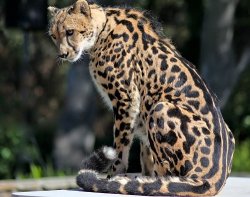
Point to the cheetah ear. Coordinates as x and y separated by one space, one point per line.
53 10
82 6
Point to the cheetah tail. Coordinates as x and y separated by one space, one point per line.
100 160
146 186
88 179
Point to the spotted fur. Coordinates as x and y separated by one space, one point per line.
155 94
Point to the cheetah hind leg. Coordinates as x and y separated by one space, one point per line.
162 185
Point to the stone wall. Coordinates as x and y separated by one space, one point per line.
52 183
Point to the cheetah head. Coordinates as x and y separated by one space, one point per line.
72 29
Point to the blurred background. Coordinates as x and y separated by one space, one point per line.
51 116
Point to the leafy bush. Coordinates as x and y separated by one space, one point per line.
16 149
241 161
20 156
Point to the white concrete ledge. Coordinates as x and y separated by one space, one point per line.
235 187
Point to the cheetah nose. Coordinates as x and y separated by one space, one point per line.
64 55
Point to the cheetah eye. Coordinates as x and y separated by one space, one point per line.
70 10
69 32
53 36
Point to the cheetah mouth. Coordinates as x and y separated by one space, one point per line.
76 57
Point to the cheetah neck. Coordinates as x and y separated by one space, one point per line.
107 25
99 20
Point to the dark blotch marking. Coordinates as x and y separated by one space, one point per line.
117 132
171 124
149 61
175 69
111 96
159 107
205 150
146 38
113 12
173 59
207 123
160 122
198 169
152 144
124 140
208 141
163 56
125 36
135 38
124 126
171 79
168 89
179 154
154 50
120 155
181 80
171 99
187 90
164 65
186 168
190 140
102 74
117 162
148 106
205 131
151 72
118 95
114 187
196 118
194 176
86 180
169 138
204 162
174 187
149 188
126 23
132 187
120 75
196 131
195 157
151 123
195 104
205 110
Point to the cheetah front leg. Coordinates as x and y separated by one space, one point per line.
126 110
147 162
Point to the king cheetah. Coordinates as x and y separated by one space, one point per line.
156 95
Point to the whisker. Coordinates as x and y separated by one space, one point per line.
59 61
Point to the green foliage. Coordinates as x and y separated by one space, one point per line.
30 99
241 162
37 172
237 111
20 156
237 115
15 148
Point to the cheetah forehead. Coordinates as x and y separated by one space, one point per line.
73 17
70 21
